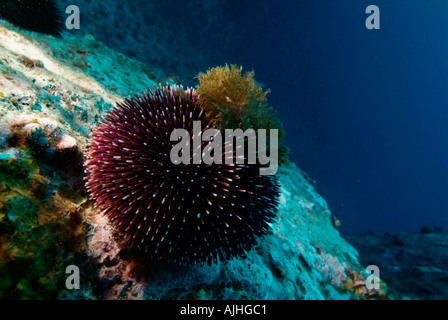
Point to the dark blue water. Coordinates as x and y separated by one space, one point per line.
366 111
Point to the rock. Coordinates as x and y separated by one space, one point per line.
5 134
412 264
426 229
10 153
66 143
33 131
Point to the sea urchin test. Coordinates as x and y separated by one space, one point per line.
213 150
184 213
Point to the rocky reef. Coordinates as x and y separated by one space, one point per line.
52 93
412 264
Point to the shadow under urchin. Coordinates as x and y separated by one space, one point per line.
184 213
42 16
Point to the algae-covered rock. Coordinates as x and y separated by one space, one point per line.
36 233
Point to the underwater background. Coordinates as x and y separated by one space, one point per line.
364 113
364 110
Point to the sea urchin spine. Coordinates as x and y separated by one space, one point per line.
185 213
42 16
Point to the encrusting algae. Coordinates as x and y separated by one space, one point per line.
234 100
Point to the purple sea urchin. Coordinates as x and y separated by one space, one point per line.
42 16
186 212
